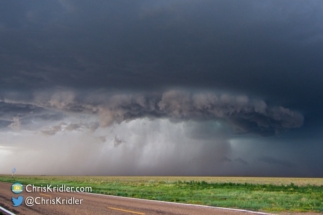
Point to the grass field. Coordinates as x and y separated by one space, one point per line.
261 194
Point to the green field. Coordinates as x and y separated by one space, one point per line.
260 194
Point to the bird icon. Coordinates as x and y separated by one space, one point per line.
17 201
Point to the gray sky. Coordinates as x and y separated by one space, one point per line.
147 87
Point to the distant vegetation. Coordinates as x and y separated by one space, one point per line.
261 194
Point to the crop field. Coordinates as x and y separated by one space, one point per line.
253 193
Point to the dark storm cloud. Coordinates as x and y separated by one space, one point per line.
12 115
244 114
272 49
224 44
17 112
119 60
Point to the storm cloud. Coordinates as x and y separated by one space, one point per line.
243 113
214 87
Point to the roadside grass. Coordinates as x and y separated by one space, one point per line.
277 196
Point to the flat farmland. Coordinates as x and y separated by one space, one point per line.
253 193
150 179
